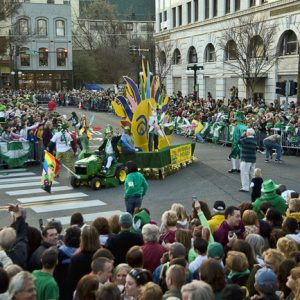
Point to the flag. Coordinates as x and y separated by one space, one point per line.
50 169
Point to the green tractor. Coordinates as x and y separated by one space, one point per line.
89 171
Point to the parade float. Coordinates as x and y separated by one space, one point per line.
135 107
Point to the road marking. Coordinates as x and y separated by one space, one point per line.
22 184
89 217
51 197
68 205
38 191
20 179
13 170
3 175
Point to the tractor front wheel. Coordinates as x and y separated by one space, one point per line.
75 182
95 183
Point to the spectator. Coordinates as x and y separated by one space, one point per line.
216 251
283 273
50 239
273 142
22 287
151 291
102 267
250 221
4 283
200 246
102 226
175 279
234 291
87 287
273 258
232 228
257 245
256 184
45 284
169 222
108 291
119 275
266 284
120 243
269 189
13 270
81 261
182 217
135 257
293 283
152 250
218 217
197 290
286 246
77 219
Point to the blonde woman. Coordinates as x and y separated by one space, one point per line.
182 216
286 246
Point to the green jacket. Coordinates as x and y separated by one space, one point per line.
275 200
135 185
46 286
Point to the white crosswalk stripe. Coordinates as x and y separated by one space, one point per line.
19 182
39 191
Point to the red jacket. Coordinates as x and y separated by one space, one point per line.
152 255
51 105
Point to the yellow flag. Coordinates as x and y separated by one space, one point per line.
119 110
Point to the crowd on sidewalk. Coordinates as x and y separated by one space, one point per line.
232 252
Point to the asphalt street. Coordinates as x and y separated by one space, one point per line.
207 178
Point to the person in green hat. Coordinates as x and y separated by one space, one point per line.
239 129
62 141
269 189
110 147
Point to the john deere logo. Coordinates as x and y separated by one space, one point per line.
141 127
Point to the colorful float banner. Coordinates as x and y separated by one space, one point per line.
181 154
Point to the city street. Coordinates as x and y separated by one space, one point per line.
207 178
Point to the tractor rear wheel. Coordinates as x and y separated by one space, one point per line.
121 174
75 182
95 183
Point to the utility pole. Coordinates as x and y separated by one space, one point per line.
195 68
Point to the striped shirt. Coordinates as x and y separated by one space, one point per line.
248 149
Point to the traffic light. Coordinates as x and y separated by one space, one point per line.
293 88
134 50
280 87
66 52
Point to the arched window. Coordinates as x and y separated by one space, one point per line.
24 57
257 48
230 50
288 43
61 56
210 53
23 26
41 27
43 57
176 57
162 58
192 55
60 27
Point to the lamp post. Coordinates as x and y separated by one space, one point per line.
13 80
195 68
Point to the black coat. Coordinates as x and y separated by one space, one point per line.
120 243
114 143
35 260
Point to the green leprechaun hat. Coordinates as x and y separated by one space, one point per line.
269 186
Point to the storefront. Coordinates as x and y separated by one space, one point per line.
45 81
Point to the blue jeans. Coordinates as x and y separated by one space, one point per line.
269 146
132 203
199 138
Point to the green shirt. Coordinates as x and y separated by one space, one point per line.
46 286
135 185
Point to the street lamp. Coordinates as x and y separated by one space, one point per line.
13 80
195 68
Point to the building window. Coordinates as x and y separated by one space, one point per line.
174 16
215 8
192 56
206 9
165 15
61 56
189 12
50 1
24 57
176 57
129 26
252 3
41 27
230 51
210 54
289 43
43 57
23 27
60 27
196 12
227 6
237 5
180 15
257 48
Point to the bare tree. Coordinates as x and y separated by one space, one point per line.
248 45
163 61
8 8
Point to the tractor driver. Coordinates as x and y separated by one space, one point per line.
109 146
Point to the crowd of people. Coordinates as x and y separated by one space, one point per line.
232 252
